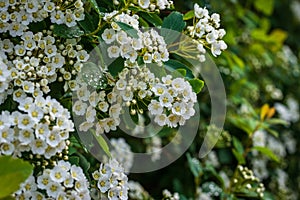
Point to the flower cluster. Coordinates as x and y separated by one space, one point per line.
98 108
64 181
206 32
149 44
5 79
122 153
245 179
137 192
155 148
173 103
36 61
15 16
169 196
151 5
112 180
42 127
289 113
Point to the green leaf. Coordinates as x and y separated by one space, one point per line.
265 6
90 23
94 5
172 65
241 160
195 166
275 121
101 141
13 172
189 15
116 66
67 32
266 151
238 145
152 18
178 73
174 21
74 160
172 27
128 29
197 85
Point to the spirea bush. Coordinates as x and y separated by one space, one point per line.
125 99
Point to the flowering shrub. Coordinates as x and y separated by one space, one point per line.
93 92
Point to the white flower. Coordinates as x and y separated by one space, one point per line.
82 56
166 100
26 136
79 14
50 50
161 119
49 6
217 47
79 108
58 174
25 122
57 17
42 131
6 135
20 50
114 111
155 108
179 108
7 148
108 36
178 84
136 44
77 173
200 12
159 89
103 184
53 138
103 106
113 51
121 84
85 126
90 114
38 146
122 37
144 3
127 95
147 58
172 120
53 189
83 93
70 19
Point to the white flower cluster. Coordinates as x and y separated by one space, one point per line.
34 63
149 44
112 180
136 191
289 113
155 148
169 196
15 16
122 153
206 32
97 108
104 109
156 4
172 100
175 101
42 128
5 79
64 182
